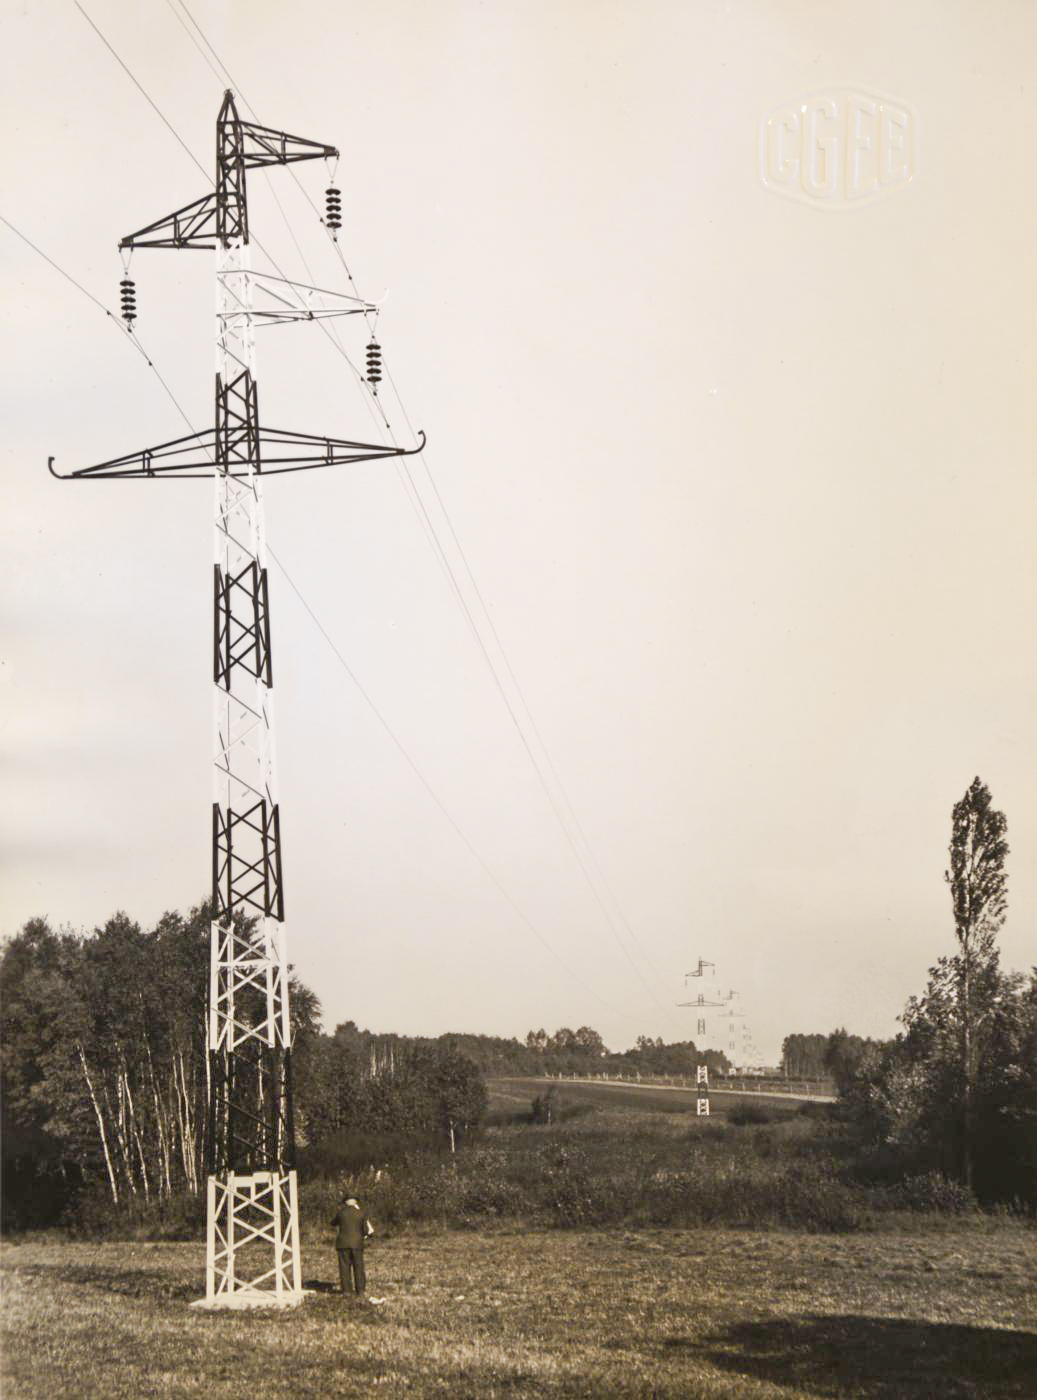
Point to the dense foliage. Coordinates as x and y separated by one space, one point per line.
803 1056
105 1083
955 1094
605 1165
104 1066
362 1096
907 1096
105 1086
104 1072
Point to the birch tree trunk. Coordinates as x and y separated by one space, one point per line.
121 1140
100 1123
135 1133
165 1186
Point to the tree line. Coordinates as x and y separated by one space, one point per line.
584 1052
803 1056
104 1072
104 1065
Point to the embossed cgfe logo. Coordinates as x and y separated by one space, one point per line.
838 149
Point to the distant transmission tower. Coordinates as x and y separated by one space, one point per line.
730 1015
252 1251
703 1001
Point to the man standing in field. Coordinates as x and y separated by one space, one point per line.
352 1229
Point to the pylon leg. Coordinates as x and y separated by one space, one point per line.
253 1241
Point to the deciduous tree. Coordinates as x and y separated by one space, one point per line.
979 897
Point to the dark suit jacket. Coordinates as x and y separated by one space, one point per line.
351 1225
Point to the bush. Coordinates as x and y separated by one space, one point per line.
709 1130
744 1113
743 1191
490 1191
422 1188
93 1215
544 1106
349 1154
37 1192
933 1191
568 1188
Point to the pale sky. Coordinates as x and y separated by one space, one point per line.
744 481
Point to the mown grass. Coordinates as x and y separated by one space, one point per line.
702 1313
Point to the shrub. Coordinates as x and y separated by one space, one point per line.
544 1106
488 1193
349 1154
743 1113
94 1216
567 1187
703 1131
576 1185
933 1191
746 1193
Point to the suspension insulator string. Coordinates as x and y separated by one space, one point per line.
128 299
374 365
333 210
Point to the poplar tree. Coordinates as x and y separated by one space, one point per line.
979 898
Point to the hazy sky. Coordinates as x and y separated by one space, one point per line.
744 481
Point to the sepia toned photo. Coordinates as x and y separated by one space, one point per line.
517 699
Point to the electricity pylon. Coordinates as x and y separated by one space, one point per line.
252 1254
701 1003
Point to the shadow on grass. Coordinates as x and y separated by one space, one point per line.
128 1283
157 1285
876 1358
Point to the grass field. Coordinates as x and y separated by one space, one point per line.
659 1098
705 1313
657 1094
908 1308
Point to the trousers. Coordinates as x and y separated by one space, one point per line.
351 1262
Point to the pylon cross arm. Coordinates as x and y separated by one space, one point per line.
280 450
263 145
191 226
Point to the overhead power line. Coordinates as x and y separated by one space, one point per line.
567 823
154 107
427 785
554 789
223 74
311 613
132 339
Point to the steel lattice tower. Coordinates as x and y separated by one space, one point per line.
701 1004
253 1220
